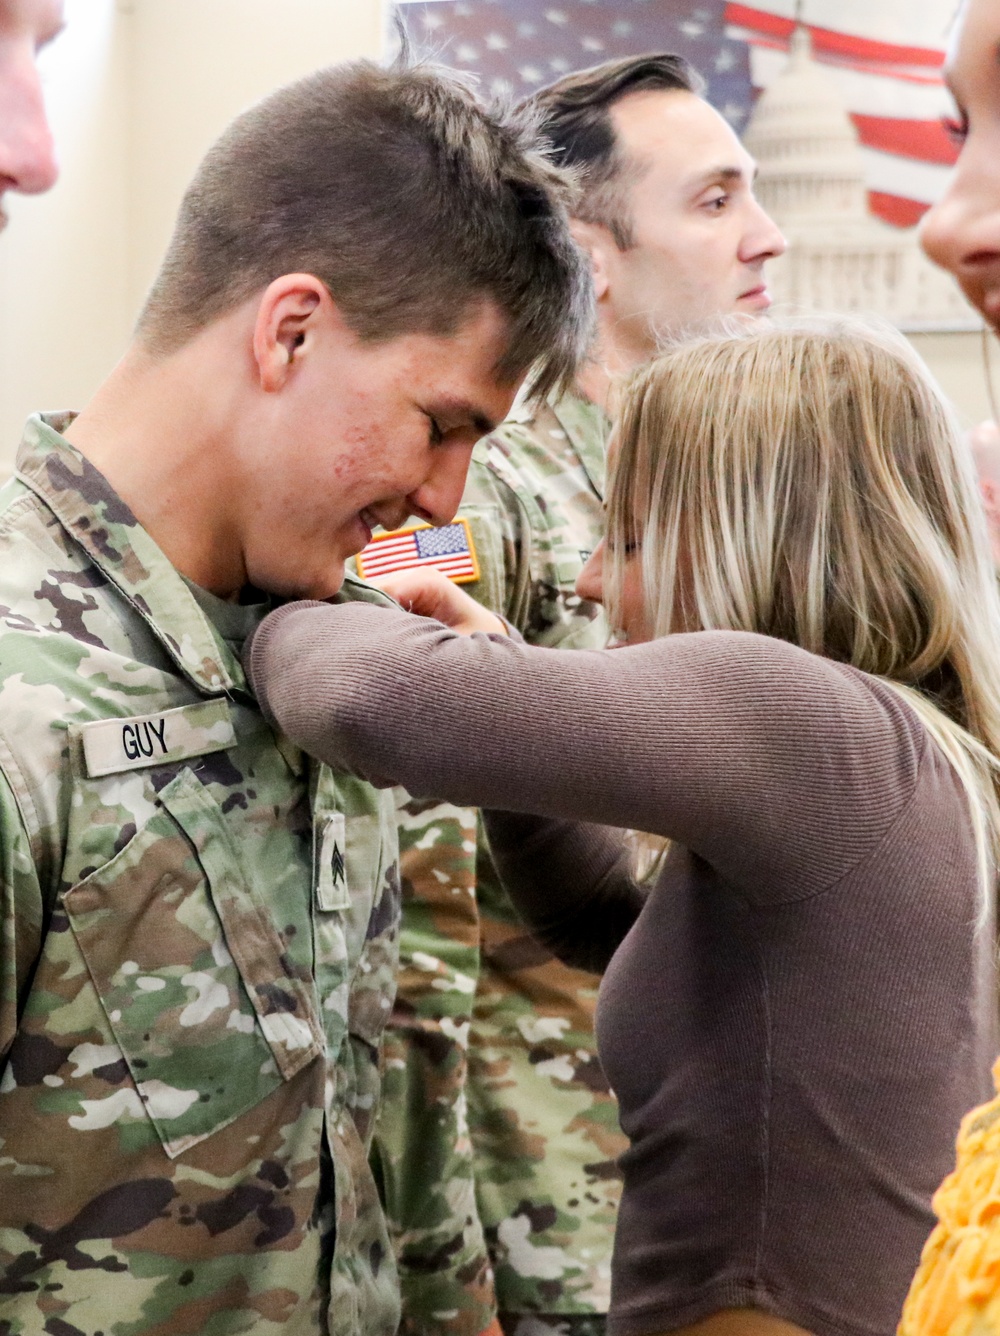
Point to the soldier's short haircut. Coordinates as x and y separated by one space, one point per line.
576 118
405 195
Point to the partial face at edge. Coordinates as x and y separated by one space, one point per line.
962 232
633 628
632 621
365 434
701 238
27 156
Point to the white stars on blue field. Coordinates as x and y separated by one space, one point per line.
518 45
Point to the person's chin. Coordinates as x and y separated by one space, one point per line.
315 584
989 305
329 584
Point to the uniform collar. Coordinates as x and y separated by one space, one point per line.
86 505
587 428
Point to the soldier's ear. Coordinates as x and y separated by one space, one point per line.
286 322
597 242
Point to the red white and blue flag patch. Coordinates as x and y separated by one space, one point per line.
449 549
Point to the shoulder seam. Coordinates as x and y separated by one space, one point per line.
866 857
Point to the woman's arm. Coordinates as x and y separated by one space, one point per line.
778 767
591 898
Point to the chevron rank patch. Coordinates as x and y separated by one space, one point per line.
332 891
448 549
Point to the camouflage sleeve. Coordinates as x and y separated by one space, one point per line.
423 1154
501 529
21 913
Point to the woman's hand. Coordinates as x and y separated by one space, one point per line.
429 593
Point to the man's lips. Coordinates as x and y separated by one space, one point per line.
759 295
366 522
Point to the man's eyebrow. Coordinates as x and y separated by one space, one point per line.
721 173
459 410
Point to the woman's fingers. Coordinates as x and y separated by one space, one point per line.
429 593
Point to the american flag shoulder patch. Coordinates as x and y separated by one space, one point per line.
448 548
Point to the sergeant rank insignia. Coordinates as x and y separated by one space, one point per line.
448 549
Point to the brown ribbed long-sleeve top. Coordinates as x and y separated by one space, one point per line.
800 1013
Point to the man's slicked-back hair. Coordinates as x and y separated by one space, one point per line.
405 195
575 116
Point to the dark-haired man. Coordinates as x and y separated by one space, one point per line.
499 1133
27 157
198 926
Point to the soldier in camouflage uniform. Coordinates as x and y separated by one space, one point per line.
199 925
187 1017
497 1148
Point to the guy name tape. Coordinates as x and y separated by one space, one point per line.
110 745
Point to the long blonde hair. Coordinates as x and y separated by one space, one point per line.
806 480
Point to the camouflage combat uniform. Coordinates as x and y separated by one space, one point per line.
198 945
498 1133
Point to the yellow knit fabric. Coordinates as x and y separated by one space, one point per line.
956 1290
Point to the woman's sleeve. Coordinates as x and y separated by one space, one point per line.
779 768
590 898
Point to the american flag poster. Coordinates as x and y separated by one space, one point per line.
886 56
448 548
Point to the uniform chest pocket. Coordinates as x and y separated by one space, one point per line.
191 972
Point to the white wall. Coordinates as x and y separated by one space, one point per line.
137 90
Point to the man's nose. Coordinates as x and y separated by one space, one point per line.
440 495
962 231
763 239
27 152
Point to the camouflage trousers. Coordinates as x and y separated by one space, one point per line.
555 1324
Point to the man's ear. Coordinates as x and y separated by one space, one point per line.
597 242
286 320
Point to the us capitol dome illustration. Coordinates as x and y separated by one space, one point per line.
812 182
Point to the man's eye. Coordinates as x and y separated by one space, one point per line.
956 128
717 203
436 435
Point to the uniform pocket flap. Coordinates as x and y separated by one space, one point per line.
281 994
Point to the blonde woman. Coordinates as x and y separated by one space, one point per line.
806 706
956 1291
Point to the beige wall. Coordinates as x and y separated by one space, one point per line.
197 63
137 91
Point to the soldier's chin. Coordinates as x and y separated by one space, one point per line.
325 586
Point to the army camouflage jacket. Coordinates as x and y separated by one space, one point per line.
198 938
535 503
498 1133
